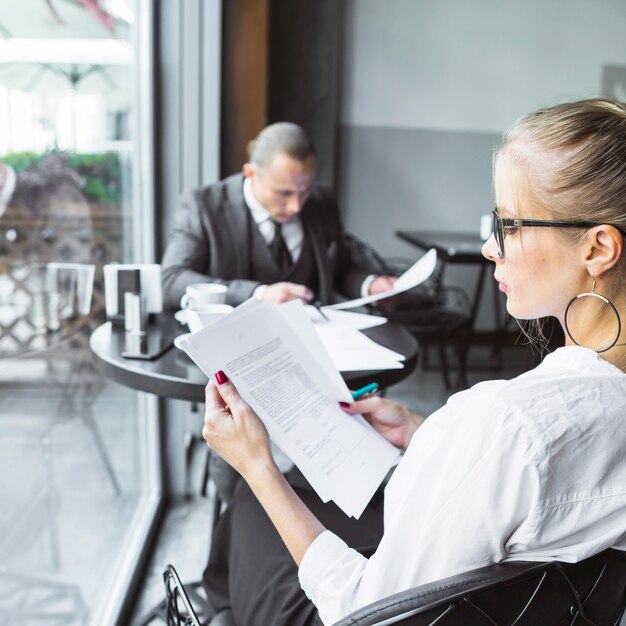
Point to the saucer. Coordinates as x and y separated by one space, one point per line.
178 339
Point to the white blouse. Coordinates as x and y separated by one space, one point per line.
529 469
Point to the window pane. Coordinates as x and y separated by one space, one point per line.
77 453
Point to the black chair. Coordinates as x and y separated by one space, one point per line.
591 592
436 315
432 312
183 605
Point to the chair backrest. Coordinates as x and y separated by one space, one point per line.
590 592
364 255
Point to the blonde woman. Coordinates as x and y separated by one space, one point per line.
531 468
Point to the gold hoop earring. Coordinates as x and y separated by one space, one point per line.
593 294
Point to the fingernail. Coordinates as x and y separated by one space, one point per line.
221 378
344 405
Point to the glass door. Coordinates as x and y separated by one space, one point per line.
79 461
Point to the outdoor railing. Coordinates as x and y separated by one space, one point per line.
28 242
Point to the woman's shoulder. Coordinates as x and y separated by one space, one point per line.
573 393
562 374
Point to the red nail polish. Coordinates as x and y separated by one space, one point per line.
221 378
344 405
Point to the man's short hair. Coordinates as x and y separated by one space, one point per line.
280 138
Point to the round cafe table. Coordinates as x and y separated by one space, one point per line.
172 374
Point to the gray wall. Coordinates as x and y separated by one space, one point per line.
428 88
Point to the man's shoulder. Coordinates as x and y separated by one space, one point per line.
322 192
217 194
229 186
321 198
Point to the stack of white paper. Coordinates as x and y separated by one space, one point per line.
349 349
280 367
345 319
338 329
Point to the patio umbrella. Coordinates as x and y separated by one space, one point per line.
66 18
60 64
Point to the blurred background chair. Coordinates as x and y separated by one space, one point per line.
438 316
50 324
30 543
435 314
26 600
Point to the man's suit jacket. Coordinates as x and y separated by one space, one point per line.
211 242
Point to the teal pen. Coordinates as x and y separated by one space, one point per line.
359 393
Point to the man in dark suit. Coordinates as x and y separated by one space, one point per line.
270 232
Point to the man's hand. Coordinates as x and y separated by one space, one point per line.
381 284
393 421
234 430
284 292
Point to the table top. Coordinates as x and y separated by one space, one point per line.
174 375
452 247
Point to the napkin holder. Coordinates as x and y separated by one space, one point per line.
140 279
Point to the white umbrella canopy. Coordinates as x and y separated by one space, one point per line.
58 45
66 73
53 50
66 19
51 65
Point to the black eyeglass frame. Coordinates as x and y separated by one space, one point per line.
500 223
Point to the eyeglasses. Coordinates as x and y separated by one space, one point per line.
503 226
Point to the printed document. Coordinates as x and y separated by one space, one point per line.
415 275
274 357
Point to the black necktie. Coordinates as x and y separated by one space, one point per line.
279 250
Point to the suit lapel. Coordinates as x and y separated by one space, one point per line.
237 218
314 230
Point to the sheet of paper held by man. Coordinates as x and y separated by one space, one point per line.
415 275
296 396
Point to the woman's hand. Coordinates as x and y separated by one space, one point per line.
234 430
237 434
393 421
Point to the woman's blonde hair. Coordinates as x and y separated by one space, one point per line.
571 160
573 156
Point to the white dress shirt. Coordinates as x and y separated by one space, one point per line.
528 469
292 231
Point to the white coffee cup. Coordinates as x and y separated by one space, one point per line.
205 315
199 294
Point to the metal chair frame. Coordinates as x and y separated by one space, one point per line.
591 592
